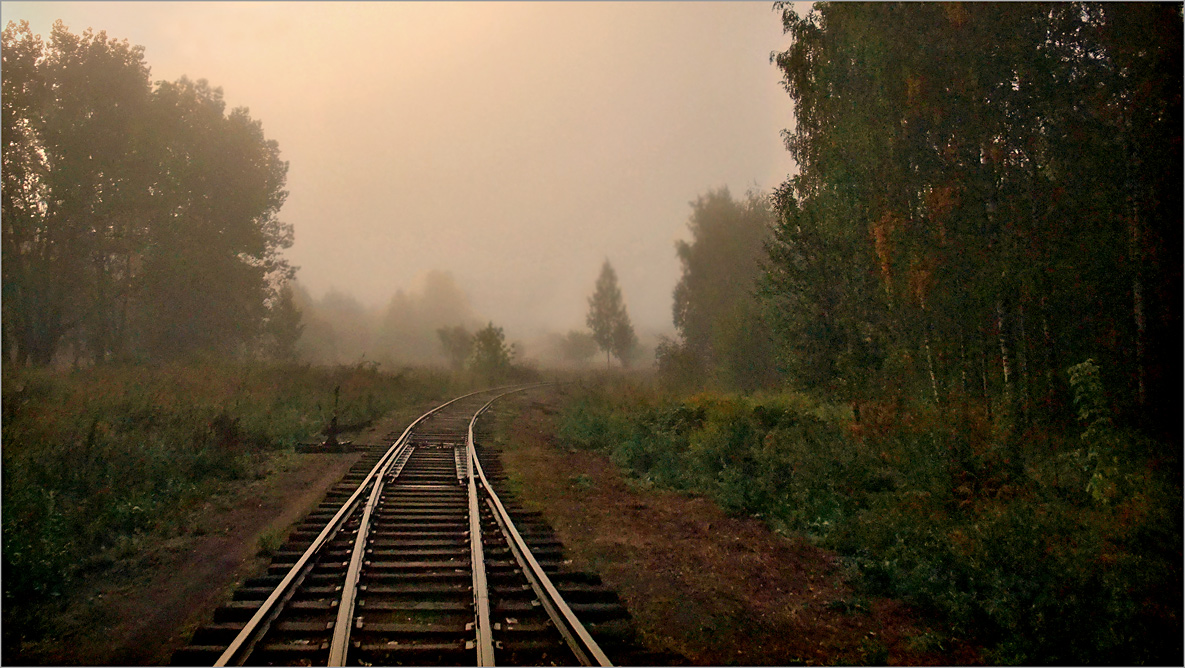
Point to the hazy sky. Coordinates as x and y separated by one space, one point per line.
516 145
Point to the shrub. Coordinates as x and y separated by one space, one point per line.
1077 560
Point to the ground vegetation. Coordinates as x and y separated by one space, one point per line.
1078 562
98 461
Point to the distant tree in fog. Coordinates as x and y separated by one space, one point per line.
284 326
457 343
408 328
608 319
490 359
577 347
724 336
351 326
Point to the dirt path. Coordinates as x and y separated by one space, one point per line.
140 613
716 589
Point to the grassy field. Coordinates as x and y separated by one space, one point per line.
96 462
1072 556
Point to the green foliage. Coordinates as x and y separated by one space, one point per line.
1088 392
577 347
270 541
924 509
721 327
987 193
95 458
283 327
608 319
121 198
679 369
490 359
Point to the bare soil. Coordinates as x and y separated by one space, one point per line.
718 590
141 610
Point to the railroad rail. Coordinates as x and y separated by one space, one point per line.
420 556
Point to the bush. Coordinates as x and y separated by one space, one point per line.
1078 560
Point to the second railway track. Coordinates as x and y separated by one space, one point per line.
420 556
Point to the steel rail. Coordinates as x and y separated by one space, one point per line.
483 627
345 610
238 650
578 638
340 645
484 641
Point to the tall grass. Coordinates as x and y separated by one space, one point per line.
1076 559
95 458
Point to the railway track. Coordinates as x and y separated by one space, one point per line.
421 556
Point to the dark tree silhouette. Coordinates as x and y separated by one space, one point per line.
608 319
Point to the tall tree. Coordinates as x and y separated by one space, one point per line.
715 309
219 189
137 220
979 161
75 185
608 319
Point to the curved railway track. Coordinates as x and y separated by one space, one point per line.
420 556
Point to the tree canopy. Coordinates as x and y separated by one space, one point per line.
457 343
988 194
577 346
608 319
138 219
490 357
719 319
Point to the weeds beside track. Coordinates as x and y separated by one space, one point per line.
96 462
1041 566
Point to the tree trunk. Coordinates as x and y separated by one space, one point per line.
1138 308
1005 365
1022 360
1048 350
983 374
930 365
963 363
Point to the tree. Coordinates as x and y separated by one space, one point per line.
978 207
75 186
219 190
577 347
715 308
284 326
608 319
138 220
457 343
408 329
490 359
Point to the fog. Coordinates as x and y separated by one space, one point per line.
512 146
